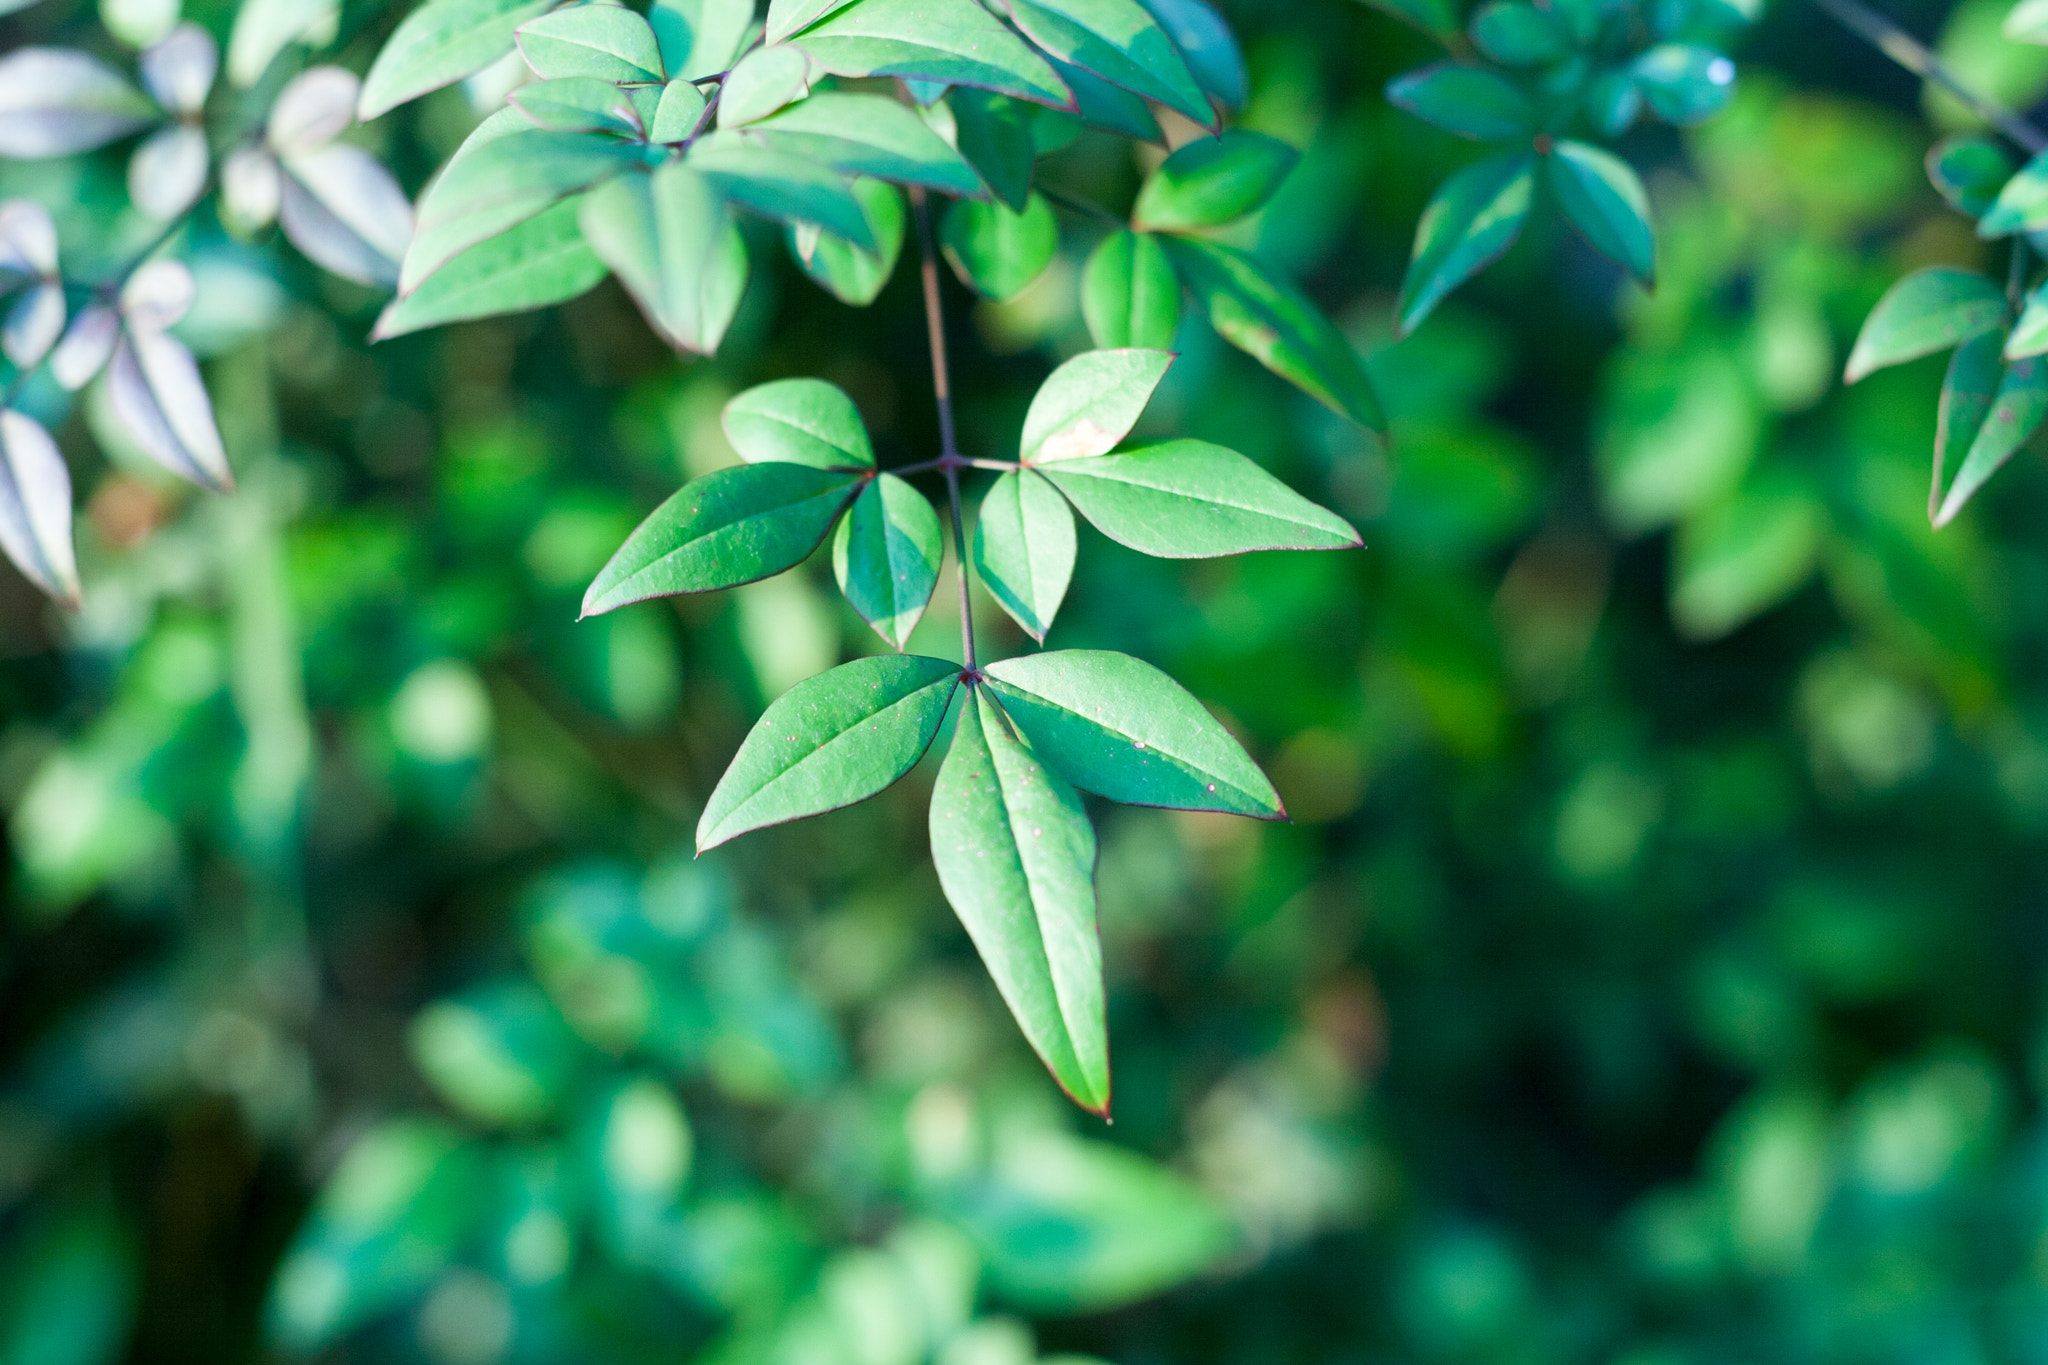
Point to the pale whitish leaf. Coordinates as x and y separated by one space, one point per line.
33 324
1090 403
1016 857
542 261
700 37
1024 548
764 81
789 17
346 212
886 556
251 188
829 742
673 244
2027 22
781 185
158 295
154 388
315 108
609 42
132 23
55 101
35 507
954 41
798 421
28 238
85 346
264 28
1120 728
2016 413
178 72
678 113
1192 500
1474 217
1119 41
1211 49
870 135
440 43
167 173
852 275
1929 310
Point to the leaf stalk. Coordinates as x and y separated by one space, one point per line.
949 461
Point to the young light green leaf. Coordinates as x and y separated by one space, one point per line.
672 243
1929 310
609 42
2016 413
781 185
55 101
998 253
578 104
956 42
1120 728
1967 391
1193 500
1205 39
1969 170
2021 205
35 507
264 28
787 18
1273 322
1744 554
1474 217
1605 200
765 80
886 555
1016 857
1685 83
1129 293
730 527
1212 181
1465 100
852 275
1024 549
441 42
1119 41
869 135
994 133
1090 403
542 261
829 742
2027 22
677 113
700 37
799 421
2030 333
1515 33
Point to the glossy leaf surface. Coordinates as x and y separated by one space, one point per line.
1193 500
886 556
1024 548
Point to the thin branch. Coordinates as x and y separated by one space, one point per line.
942 390
1909 52
954 462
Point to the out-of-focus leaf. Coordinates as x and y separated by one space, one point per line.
1472 220
1192 500
993 132
1678 433
1684 83
1515 33
1969 170
542 261
500 1054
1016 857
869 135
1740 557
725 529
609 42
264 28
1435 17
1129 293
178 72
852 275
1613 102
955 41
1212 181
33 324
72 1290
158 295
346 212
679 111
1090 403
168 171
781 185
1024 549
440 43
86 346
886 555
836 739
251 189
801 421
154 386
1605 200
1465 100
1205 39
2016 413
2022 203
998 253
55 101
1967 391
674 246
35 507
1929 310
1119 41
28 239
764 81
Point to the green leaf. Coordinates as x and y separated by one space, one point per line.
1024 549
886 555
781 185
786 18
1016 857
998 253
609 42
1515 33
1929 310
952 41
2030 333
1685 83
1193 500
1090 403
1465 100
2022 205
700 37
668 237
852 275
678 113
500 1054
1111 107
1273 322
542 261
1967 391
1129 293
869 135
2027 22
1212 181
1119 41
578 104
1205 39
2016 413
994 133
1120 728
504 174
1473 218
1613 101
1744 555
829 742
441 42
765 80
727 528
799 421
1604 199
1969 171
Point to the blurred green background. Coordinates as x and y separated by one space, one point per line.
1652 972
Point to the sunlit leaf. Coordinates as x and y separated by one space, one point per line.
1212 181
800 421
764 81
542 261
55 101
440 43
1024 549
953 41
1192 500
1119 41
155 390
886 555
1967 392
672 243
781 185
853 275
1929 310
1129 293
2016 413
609 42
1473 218
1205 39
869 135
998 253
1090 404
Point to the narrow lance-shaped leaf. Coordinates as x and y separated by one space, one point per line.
829 742
1472 220
441 42
1119 41
1929 310
154 387
2022 203
542 261
2030 331
1465 100
1024 549
1090 403
1604 199
1016 857
1967 391
674 246
2016 413
1129 293
1212 181
727 528
886 555
1120 728
1192 500
956 43
801 421
35 507
998 253
346 212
